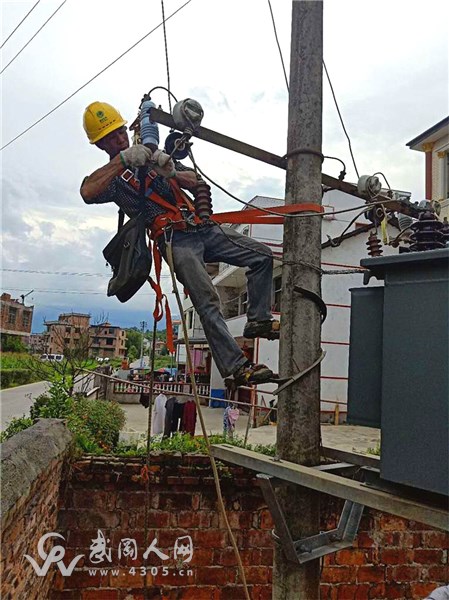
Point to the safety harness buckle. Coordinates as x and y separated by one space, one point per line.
127 175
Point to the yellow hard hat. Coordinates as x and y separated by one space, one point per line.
100 119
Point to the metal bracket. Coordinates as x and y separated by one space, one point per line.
315 546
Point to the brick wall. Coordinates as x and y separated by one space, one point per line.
31 463
392 558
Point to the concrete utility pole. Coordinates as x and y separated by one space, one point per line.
298 435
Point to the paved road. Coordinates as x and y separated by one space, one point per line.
17 401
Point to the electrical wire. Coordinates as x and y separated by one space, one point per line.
166 54
17 26
341 119
286 216
60 273
279 46
85 293
93 78
32 38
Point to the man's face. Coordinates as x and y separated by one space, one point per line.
114 142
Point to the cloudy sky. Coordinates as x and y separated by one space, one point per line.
388 61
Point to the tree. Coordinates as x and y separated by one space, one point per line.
133 338
11 343
133 353
76 352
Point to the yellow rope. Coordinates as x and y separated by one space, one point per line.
203 425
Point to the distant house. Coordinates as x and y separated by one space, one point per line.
38 343
16 318
337 254
434 142
71 329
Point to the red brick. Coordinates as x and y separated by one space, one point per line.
100 595
227 557
393 556
213 538
188 519
350 557
348 592
236 592
421 590
127 580
405 573
435 539
258 574
214 575
427 557
391 523
338 574
364 540
376 592
202 557
439 573
370 574
131 500
395 591
325 591
258 539
197 593
266 520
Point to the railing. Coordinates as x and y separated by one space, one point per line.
128 387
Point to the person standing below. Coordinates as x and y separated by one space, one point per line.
193 244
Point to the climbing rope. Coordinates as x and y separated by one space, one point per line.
221 505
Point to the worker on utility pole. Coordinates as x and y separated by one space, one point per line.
193 243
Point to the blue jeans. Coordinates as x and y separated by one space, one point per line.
209 244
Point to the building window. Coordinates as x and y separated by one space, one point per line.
12 315
190 319
26 319
68 329
109 342
243 303
277 291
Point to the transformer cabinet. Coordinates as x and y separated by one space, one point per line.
398 365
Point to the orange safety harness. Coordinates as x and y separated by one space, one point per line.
181 215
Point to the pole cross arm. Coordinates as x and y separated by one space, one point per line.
224 141
422 510
255 215
315 546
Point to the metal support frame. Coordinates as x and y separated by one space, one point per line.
314 546
422 507
208 135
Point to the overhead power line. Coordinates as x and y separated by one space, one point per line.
80 274
279 46
94 77
85 293
341 119
32 38
17 26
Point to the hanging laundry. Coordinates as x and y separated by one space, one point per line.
159 414
178 411
189 417
230 417
169 406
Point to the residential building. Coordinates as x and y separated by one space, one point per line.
74 329
338 253
16 318
38 343
434 142
107 341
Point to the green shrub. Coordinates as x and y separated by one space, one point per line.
99 421
14 426
13 377
185 443
11 343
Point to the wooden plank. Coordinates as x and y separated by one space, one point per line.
432 515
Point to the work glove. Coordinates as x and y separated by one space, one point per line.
136 156
163 164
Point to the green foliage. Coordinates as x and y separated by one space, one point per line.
184 443
96 421
133 338
13 377
133 353
14 360
11 343
375 450
16 425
